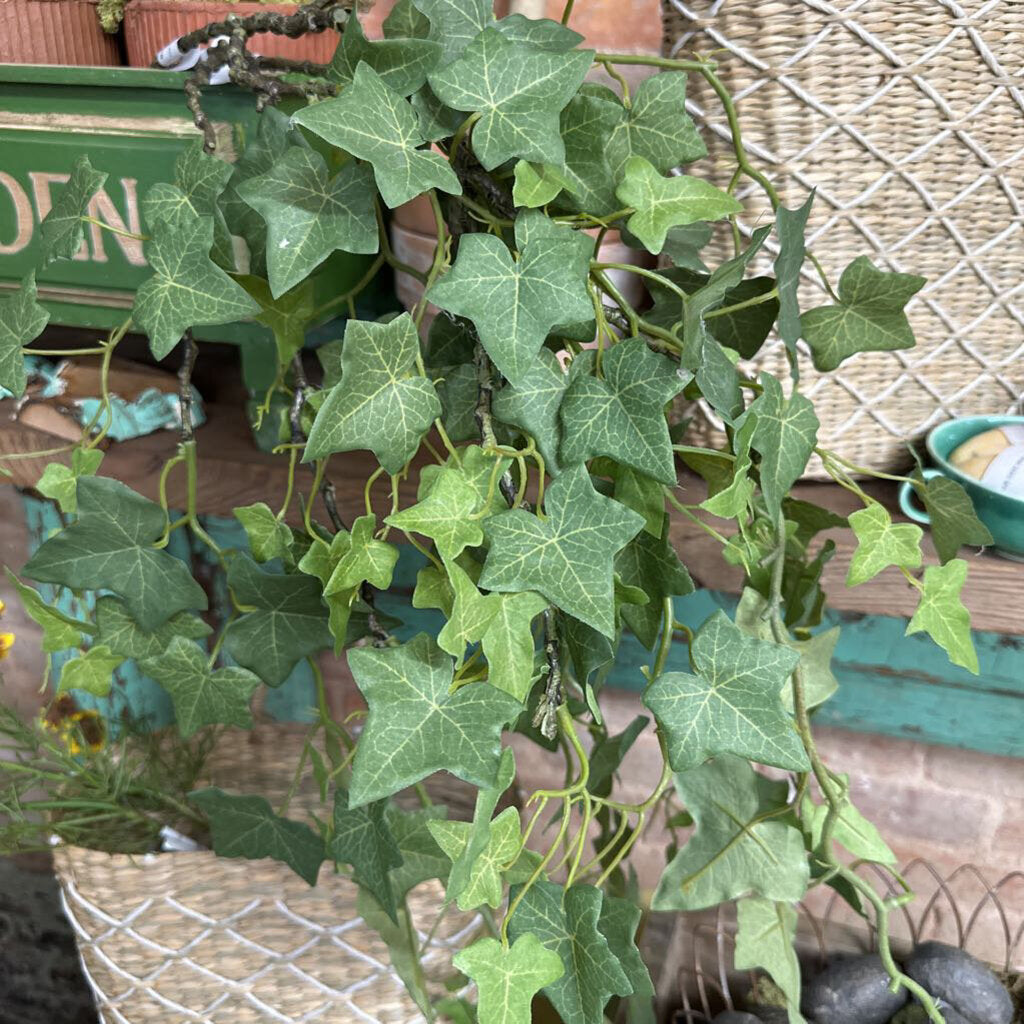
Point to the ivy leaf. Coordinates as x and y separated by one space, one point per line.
91 672
764 938
199 180
618 924
123 635
445 515
382 403
954 522
508 643
662 203
785 435
566 556
881 543
636 491
852 830
477 468
269 537
744 842
402 64
485 883
540 32
536 184
684 243
202 697
733 705
589 650
942 615
22 320
416 726
285 620
309 214
608 754
109 548
362 838
651 563
790 225
374 123
508 979
456 23
61 231
566 922
366 558
518 90
622 413
404 21
60 482
58 633
730 502
422 858
247 827
514 304
869 316
186 289
470 615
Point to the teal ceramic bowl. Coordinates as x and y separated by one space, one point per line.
1003 515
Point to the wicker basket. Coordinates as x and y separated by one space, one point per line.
908 116
190 937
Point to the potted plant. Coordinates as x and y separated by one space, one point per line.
537 425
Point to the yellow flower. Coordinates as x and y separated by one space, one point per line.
6 642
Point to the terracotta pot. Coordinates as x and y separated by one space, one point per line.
150 25
54 32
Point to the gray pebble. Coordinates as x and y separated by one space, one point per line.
966 985
852 990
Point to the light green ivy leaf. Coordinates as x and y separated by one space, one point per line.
536 184
766 930
881 543
91 672
382 402
732 705
447 515
58 633
662 202
942 615
61 231
269 537
22 320
200 696
60 482
416 726
568 555
744 842
375 123
869 316
852 829
123 635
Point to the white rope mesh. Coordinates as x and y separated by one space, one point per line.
908 117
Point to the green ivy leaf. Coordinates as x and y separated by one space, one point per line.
200 696
477 468
662 203
422 858
123 635
514 304
869 316
365 558
186 289
566 922
382 402
532 405
416 726
811 519
91 672
608 754
60 482
507 643
456 23
954 522
109 548
622 413
199 181
247 827
404 21
880 543
508 979
285 620
536 184
540 32
733 705
402 64
942 615
618 924
374 123
744 841
310 214
730 501
446 515
471 613
851 830
518 90
362 838
785 435
651 563
58 633
22 320
764 938
790 225
568 555
61 231
269 537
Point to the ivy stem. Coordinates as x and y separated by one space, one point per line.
460 134
652 275
567 11
113 230
755 300
338 300
61 353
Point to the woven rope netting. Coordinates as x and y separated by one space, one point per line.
908 117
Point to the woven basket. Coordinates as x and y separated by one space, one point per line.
908 116
190 937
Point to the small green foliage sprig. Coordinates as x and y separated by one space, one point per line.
538 416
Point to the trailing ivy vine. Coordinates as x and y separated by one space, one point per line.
540 414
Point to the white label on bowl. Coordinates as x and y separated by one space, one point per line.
1014 432
1006 472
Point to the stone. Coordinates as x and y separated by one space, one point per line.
961 982
852 990
736 1017
772 1014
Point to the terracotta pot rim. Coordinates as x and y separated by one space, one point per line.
29 3
225 5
